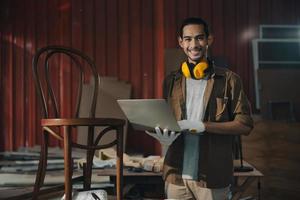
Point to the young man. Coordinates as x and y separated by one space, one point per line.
211 107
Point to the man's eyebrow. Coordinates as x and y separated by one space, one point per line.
188 36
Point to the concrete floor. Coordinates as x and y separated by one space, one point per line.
274 148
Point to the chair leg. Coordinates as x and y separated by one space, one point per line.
119 163
68 162
88 169
89 160
40 176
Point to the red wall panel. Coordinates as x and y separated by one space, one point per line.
112 44
30 46
123 40
7 94
126 38
135 50
42 38
147 49
18 73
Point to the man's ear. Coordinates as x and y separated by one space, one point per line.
210 40
180 41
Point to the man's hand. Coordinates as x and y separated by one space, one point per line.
192 126
164 138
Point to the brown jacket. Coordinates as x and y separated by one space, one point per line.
224 100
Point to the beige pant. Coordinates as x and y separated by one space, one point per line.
192 191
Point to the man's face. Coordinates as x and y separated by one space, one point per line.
194 42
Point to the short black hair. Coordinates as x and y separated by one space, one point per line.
194 20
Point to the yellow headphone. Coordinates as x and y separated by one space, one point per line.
190 70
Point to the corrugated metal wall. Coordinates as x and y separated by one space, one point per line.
126 38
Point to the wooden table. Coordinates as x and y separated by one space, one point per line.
243 179
132 179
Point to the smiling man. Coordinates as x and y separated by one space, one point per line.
194 40
211 107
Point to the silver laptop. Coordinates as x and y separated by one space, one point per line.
146 114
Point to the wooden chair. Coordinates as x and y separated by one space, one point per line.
62 128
